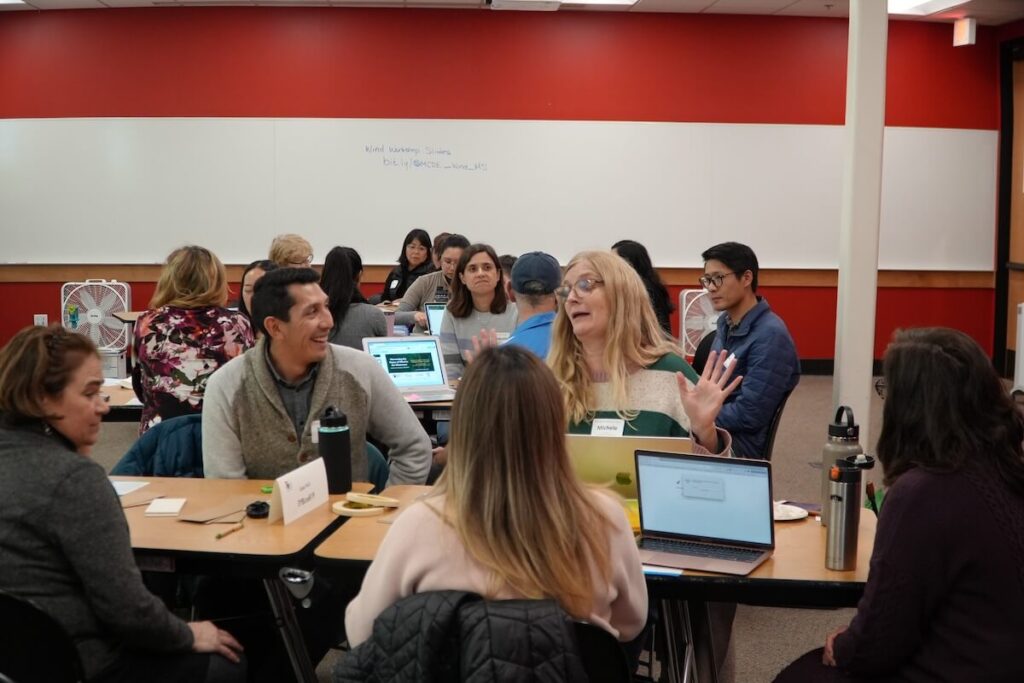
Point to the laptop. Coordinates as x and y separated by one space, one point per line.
435 312
707 513
415 365
608 461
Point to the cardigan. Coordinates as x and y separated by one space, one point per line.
423 553
248 433
64 544
423 291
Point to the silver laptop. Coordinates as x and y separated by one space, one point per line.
415 365
608 461
703 512
435 312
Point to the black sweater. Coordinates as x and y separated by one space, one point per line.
945 592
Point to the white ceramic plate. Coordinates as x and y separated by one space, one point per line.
787 513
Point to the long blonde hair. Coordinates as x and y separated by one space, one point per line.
633 340
510 493
193 277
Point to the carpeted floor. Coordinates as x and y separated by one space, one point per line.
764 639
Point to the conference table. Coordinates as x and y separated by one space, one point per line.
795 576
258 550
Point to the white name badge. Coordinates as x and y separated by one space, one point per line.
607 426
300 491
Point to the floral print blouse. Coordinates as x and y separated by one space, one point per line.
176 351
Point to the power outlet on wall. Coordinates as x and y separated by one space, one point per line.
41 319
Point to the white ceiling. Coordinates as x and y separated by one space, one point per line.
987 12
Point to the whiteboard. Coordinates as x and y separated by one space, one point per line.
129 190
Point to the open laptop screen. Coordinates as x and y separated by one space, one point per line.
412 362
706 497
435 312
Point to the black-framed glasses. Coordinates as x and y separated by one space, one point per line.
717 279
880 387
583 287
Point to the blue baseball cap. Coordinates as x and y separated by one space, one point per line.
536 273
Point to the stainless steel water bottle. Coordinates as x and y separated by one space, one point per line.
844 517
335 447
842 443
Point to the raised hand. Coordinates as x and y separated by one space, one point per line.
485 340
704 400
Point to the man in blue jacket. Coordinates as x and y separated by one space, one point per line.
763 348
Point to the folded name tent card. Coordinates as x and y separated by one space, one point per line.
165 507
299 492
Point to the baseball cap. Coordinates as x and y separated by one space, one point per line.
536 273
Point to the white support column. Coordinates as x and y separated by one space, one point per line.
861 207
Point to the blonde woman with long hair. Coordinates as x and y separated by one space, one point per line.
187 333
618 372
508 518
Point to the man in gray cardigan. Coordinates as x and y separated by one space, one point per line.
259 410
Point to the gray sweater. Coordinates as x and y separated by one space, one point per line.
247 431
64 544
457 334
361 320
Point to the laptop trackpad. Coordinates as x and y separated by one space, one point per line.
696 563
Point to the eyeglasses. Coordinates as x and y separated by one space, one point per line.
583 287
301 263
880 387
717 279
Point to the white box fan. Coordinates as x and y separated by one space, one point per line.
697 317
89 308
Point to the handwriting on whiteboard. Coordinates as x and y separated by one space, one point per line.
422 158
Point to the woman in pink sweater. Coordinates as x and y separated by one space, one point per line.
508 518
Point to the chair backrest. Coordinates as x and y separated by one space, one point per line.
773 427
700 356
33 646
378 469
603 657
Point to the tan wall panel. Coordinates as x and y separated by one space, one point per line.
683 277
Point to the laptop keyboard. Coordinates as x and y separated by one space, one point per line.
715 552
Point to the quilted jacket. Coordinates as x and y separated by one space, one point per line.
766 357
447 636
172 448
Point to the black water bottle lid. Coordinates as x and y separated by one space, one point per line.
844 426
333 417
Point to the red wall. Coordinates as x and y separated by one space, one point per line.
330 62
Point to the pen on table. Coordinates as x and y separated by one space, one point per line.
870 489
232 530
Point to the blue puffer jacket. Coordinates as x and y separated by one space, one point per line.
172 448
766 357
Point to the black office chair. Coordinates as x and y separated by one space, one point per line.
33 646
700 356
773 427
603 657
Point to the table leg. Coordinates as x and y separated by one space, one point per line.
291 634
677 667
